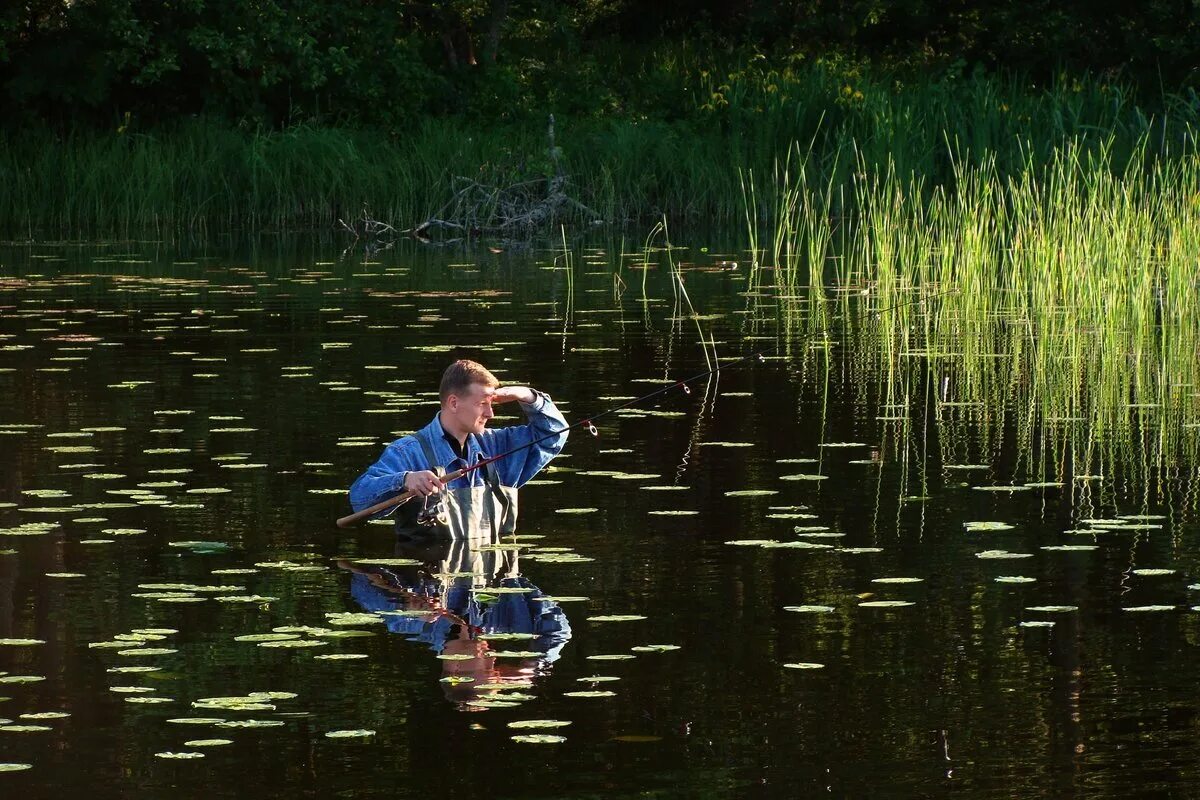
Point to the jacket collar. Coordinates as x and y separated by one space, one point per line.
435 434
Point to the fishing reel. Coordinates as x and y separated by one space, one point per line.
432 514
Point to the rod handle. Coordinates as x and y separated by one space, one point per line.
400 499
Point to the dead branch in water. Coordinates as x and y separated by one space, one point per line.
481 210
365 227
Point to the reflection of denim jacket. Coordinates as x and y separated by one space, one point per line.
523 612
386 476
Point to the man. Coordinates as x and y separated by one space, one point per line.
484 499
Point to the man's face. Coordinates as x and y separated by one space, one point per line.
472 410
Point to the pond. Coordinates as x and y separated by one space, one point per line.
893 557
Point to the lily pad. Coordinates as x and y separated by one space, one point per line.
987 526
539 723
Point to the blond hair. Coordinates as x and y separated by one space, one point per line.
459 376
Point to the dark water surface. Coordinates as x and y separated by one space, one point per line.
276 376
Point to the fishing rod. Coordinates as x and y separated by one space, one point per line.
587 422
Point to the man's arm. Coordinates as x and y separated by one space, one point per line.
384 478
544 420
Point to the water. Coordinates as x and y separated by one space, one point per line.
295 365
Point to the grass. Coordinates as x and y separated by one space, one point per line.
1061 292
713 132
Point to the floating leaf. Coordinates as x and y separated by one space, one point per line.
25 728
361 733
653 648
1001 554
987 526
265 637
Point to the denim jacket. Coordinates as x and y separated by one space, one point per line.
385 478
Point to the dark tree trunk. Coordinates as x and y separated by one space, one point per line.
492 43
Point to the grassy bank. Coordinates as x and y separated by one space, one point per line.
201 177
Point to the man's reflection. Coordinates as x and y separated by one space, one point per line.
467 601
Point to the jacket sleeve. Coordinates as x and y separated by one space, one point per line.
544 420
385 478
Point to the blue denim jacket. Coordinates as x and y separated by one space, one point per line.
385 478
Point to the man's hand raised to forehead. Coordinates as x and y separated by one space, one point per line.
506 394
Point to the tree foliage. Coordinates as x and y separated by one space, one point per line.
388 62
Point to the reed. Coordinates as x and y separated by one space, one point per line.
687 154
1073 316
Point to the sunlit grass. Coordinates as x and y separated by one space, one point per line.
1061 297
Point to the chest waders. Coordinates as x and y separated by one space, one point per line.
480 513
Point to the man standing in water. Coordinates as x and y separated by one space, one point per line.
483 500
